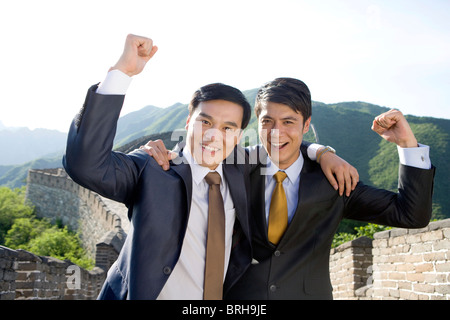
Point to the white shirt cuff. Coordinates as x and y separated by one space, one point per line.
312 151
116 82
415 157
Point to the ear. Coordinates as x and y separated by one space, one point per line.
187 122
306 125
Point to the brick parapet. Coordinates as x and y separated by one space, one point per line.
412 264
26 276
57 197
407 264
348 267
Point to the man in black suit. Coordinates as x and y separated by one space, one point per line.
165 253
291 244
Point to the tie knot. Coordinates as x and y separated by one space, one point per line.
212 178
280 176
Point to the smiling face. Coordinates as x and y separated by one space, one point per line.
281 131
213 130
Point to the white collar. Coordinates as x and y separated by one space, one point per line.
293 171
199 172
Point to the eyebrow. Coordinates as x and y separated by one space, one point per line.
207 116
285 118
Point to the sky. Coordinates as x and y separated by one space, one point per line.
390 53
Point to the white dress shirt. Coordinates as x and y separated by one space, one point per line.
187 278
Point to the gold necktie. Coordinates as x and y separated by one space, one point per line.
215 244
278 213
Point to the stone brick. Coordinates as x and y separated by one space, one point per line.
424 267
442 245
434 256
414 238
443 289
443 267
433 235
415 277
421 287
421 247
446 233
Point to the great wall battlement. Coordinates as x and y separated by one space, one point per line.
407 264
57 197
101 223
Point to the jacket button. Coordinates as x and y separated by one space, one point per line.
167 270
277 253
273 288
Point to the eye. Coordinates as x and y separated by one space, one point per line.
205 122
288 122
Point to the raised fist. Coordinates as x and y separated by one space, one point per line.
136 53
393 127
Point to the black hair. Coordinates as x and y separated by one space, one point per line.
220 91
291 92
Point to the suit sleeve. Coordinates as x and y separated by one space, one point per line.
89 159
410 207
304 148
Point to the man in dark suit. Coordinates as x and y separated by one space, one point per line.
166 252
291 242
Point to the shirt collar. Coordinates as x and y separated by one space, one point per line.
199 172
292 172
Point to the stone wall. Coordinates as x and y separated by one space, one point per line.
348 267
412 263
101 223
55 196
8 273
407 264
24 275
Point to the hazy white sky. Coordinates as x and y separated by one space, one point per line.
392 53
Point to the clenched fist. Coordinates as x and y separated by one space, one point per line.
136 53
393 127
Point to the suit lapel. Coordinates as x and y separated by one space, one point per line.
257 198
258 208
236 184
306 182
183 169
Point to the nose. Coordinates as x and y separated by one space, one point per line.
276 130
212 134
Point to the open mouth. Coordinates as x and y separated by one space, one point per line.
278 146
209 148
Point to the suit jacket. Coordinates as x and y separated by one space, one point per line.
298 267
158 201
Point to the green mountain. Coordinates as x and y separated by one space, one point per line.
345 126
15 176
